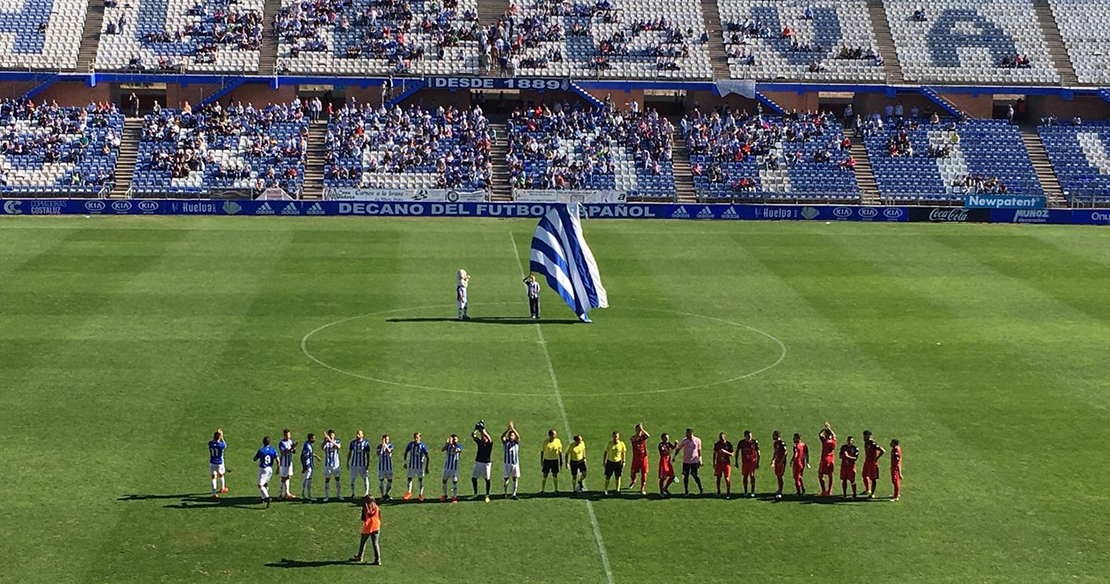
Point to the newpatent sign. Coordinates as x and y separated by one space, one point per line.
1003 202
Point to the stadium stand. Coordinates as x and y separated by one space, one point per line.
190 152
1085 29
737 156
1080 160
172 36
977 41
41 34
407 149
365 37
937 162
568 147
59 151
628 39
824 40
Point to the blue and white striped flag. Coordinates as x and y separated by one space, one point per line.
560 253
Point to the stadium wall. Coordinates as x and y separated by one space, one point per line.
693 212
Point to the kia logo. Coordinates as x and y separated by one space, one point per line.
95 205
122 206
842 212
148 206
868 212
892 213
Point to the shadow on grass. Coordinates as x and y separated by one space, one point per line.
291 563
510 320
157 497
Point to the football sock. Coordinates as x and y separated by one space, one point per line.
327 489
514 488
474 483
543 484
506 486
222 483
381 487
421 486
444 488
265 491
487 487
606 484
455 488
556 481
213 486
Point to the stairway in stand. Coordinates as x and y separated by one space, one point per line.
128 156
313 187
267 58
883 38
711 15
683 176
865 176
1056 48
500 190
1041 164
90 38
490 10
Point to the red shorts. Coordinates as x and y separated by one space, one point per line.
722 469
848 472
825 468
780 468
747 467
895 476
666 469
639 465
798 470
871 471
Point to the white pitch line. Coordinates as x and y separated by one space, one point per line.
566 426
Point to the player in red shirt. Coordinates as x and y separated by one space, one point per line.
828 454
778 459
801 463
849 454
872 452
666 468
747 458
722 464
639 457
896 469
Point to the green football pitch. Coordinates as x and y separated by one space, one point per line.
124 342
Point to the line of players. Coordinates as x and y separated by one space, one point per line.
745 455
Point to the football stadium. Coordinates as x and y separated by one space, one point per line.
554 290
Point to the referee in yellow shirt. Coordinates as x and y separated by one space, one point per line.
551 459
576 461
614 460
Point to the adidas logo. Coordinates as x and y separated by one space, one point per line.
730 213
291 209
265 209
315 209
680 213
705 213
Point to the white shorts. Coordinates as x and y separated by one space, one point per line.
359 472
481 470
332 472
462 304
286 470
512 470
416 473
216 468
265 474
385 475
308 473
451 474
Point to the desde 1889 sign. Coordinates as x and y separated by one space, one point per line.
535 84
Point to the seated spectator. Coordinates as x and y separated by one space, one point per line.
919 15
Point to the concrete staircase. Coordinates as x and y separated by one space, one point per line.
1045 174
683 176
90 38
490 10
500 190
267 58
313 187
711 15
1056 48
128 156
885 42
865 176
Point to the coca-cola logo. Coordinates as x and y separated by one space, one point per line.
953 215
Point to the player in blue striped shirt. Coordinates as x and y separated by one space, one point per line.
266 457
358 458
216 448
416 461
451 467
385 467
332 446
286 448
510 441
308 464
